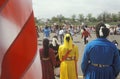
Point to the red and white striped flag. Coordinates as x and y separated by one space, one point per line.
19 58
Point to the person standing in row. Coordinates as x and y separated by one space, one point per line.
55 45
68 55
48 61
101 58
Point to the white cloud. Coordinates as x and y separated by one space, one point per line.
50 8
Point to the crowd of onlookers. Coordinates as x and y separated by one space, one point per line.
115 30
60 30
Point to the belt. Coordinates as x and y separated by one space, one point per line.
100 65
45 59
70 58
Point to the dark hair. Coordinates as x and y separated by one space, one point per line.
55 37
85 26
46 47
104 30
70 26
61 28
118 25
84 29
46 27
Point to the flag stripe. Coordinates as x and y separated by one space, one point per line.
35 69
2 3
19 58
22 48
20 53
10 25
17 11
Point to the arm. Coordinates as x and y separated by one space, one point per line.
52 56
85 60
77 53
89 34
60 53
82 35
116 63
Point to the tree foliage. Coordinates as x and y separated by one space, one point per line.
78 19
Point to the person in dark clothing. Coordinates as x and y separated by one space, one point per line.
55 45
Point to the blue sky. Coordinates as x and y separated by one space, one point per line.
49 8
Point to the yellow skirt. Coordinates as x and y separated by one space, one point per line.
68 70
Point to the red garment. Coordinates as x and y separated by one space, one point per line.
48 65
85 34
55 48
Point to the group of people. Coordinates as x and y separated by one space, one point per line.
100 59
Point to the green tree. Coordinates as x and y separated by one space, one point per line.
73 17
81 17
100 17
114 17
36 20
118 16
54 19
108 17
89 17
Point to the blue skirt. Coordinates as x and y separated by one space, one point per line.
99 73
